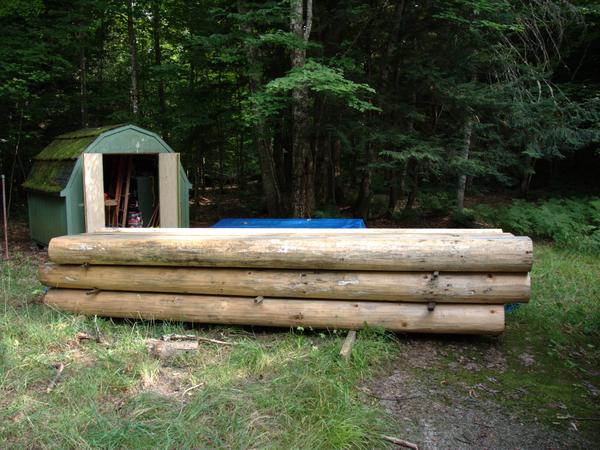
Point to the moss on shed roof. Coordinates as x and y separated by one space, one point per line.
87 132
71 145
49 176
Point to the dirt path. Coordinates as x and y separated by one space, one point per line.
440 412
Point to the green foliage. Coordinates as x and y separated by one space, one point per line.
385 77
566 221
463 219
319 79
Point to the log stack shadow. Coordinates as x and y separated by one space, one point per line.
431 281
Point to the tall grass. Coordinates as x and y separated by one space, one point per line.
290 390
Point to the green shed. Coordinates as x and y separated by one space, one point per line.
87 179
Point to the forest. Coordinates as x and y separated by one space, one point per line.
365 108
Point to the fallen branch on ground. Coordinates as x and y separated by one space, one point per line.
401 442
577 418
59 370
192 388
193 337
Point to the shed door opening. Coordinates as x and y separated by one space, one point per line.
131 190
131 187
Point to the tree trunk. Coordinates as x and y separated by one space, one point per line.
336 159
464 155
158 61
394 193
264 143
303 166
414 189
262 135
365 194
83 84
134 90
527 176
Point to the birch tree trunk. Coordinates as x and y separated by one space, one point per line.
303 166
134 90
464 155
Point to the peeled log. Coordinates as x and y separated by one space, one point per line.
383 286
402 317
303 231
344 252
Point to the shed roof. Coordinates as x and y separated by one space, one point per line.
49 176
70 145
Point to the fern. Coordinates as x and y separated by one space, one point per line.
566 221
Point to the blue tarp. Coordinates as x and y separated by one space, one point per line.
289 223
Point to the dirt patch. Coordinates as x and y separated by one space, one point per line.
437 414
168 382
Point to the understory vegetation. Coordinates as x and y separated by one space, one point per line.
569 222
275 388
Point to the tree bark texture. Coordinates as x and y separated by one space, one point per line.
303 165
464 155
162 109
134 88
262 134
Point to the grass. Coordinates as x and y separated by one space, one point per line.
281 390
274 389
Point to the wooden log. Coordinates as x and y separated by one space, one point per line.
166 349
402 317
445 287
344 252
301 231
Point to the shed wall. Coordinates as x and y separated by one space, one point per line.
47 216
184 199
74 192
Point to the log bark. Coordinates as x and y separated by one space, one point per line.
343 252
381 286
402 317
164 350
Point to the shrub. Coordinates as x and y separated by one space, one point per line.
566 221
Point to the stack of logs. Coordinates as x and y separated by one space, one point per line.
406 280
